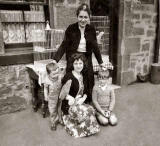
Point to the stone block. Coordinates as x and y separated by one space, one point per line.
127 77
59 1
4 90
84 1
145 69
126 62
1 43
132 45
151 33
11 84
137 22
145 47
128 12
72 1
155 19
128 28
133 64
135 16
146 16
144 8
137 31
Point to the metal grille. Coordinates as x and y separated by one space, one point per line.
102 24
44 49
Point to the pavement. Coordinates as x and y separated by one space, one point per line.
137 108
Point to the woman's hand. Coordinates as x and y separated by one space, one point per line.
70 99
80 99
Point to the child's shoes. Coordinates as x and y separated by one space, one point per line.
53 127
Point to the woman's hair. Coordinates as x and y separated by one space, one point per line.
74 57
51 67
83 7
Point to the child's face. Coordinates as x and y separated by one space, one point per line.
54 73
103 78
78 65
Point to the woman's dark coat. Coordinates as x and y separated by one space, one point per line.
70 45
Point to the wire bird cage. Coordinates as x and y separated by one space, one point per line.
102 24
45 46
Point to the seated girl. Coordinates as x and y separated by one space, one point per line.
79 118
103 98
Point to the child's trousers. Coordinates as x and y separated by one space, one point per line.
52 105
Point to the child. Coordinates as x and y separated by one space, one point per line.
52 87
103 98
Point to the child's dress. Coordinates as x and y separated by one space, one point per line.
104 97
79 120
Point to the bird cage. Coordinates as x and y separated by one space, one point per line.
57 36
102 24
45 48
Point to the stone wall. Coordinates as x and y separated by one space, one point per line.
1 40
136 46
14 81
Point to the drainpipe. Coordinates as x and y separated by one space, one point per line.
157 46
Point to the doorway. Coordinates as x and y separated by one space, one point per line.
110 10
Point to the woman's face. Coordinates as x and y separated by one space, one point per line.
78 65
83 19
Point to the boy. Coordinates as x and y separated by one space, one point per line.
52 87
103 98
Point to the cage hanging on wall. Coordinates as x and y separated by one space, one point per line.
45 47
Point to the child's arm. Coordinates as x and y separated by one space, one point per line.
46 92
95 102
112 100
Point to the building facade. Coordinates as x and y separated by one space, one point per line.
132 37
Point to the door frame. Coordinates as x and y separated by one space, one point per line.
113 44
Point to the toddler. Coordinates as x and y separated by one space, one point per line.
103 98
52 87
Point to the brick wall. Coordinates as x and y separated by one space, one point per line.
137 40
14 81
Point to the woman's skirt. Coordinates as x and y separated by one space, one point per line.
81 121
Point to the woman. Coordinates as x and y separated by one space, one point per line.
81 38
79 118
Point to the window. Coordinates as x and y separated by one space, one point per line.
19 22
